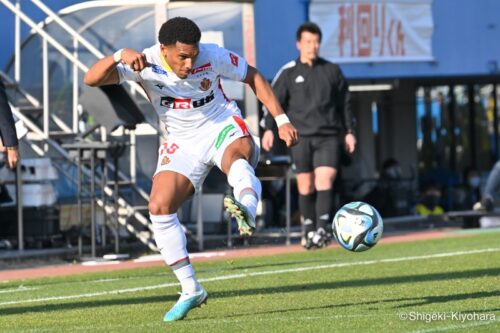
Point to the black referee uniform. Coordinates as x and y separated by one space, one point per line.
317 101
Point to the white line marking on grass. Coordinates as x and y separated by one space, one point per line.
15 290
246 275
456 327
89 295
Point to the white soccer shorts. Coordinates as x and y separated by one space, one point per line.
195 157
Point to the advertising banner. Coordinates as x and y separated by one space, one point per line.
374 30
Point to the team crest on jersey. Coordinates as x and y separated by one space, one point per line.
234 59
205 84
165 160
158 70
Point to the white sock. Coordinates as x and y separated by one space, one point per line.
246 186
188 281
171 241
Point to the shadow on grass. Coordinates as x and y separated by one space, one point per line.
304 287
230 267
425 300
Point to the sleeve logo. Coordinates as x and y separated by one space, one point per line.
234 59
157 69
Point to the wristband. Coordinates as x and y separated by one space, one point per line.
281 119
117 56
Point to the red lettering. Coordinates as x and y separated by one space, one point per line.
182 103
400 45
346 28
364 30
168 150
173 147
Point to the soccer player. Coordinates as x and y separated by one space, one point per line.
182 79
314 93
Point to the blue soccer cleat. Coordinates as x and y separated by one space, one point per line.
246 222
186 303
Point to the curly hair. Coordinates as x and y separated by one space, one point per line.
309 27
179 29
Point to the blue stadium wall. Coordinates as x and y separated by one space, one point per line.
465 40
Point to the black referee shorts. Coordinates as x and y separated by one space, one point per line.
315 151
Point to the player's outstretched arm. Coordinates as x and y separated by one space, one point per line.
102 73
265 94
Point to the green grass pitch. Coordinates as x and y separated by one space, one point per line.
441 285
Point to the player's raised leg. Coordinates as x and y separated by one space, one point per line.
246 186
169 191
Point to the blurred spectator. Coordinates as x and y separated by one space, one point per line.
430 201
391 195
466 194
490 190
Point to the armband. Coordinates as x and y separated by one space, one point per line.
117 56
281 119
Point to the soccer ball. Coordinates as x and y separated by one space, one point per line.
357 226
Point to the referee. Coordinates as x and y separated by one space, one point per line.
315 96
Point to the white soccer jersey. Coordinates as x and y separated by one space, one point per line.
184 105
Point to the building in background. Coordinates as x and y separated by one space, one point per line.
424 82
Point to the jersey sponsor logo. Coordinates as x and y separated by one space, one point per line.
202 68
222 135
186 103
205 84
158 70
234 59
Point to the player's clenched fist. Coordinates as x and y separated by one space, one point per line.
289 134
136 60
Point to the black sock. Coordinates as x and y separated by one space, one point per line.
324 209
307 207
